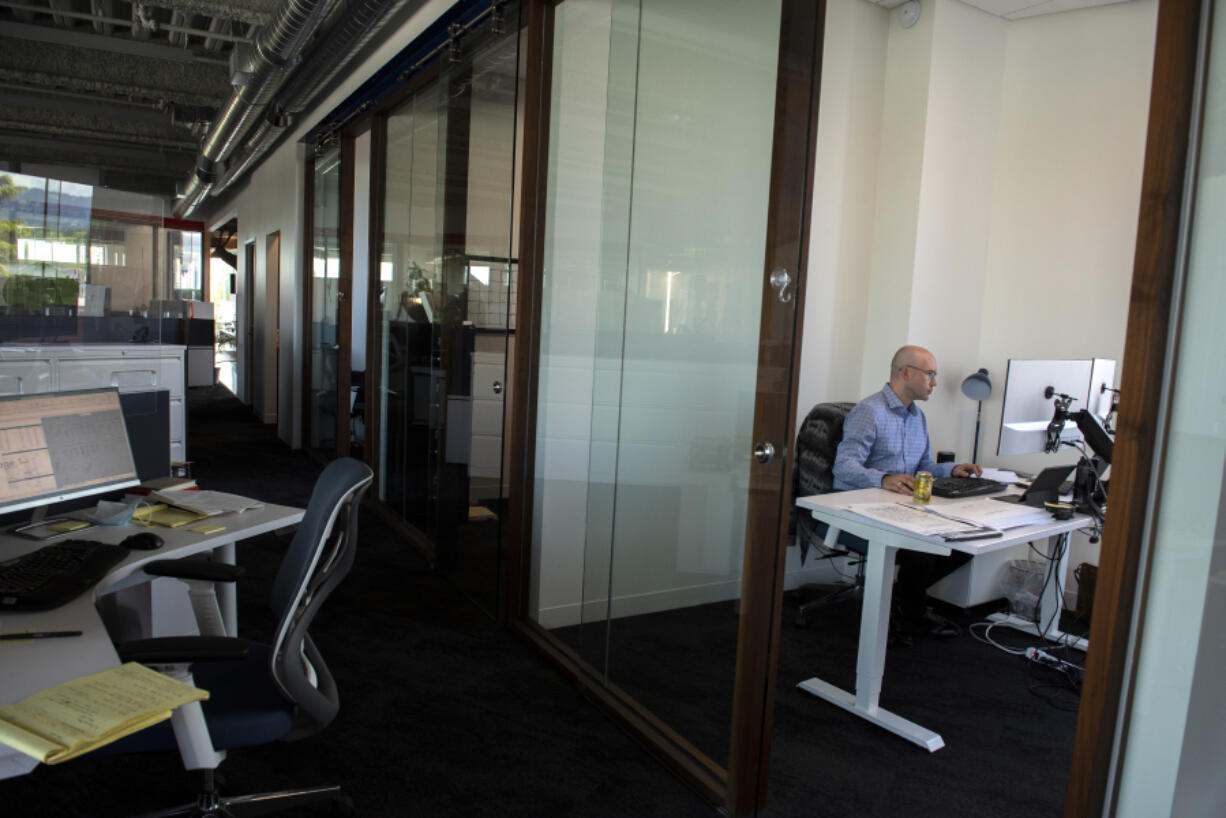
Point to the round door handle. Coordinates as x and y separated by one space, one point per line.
497 387
764 452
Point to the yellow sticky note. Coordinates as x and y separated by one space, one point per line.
68 525
207 528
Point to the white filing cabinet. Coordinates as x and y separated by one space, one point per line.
130 367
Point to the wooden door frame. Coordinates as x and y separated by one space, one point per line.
1123 570
248 337
344 292
741 788
272 306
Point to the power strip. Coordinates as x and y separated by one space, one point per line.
1042 657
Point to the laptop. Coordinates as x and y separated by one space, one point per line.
1044 488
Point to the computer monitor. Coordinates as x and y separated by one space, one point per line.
1028 409
61 445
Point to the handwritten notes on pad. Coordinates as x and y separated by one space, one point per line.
72 718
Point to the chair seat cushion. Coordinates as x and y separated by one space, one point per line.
244 707
849 541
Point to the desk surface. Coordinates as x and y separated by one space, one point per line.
829 507
27 666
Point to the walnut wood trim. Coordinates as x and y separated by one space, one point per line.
374 314
344 293
787 231
206 279
1106 688
537 18
307 277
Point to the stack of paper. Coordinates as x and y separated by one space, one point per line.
925 521
991 512
207 502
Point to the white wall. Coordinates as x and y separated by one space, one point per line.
1003 200
849 132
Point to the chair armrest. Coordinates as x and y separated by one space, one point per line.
194 569
172 649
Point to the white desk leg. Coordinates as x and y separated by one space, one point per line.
874 626
870 658
1051 604
227 597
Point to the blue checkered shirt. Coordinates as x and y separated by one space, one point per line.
880 437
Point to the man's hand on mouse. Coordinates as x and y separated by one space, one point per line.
901 483
967 470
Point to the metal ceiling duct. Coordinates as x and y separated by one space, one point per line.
361 21
277 48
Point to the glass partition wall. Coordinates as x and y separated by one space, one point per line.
678 141
660 156
324 305
445 321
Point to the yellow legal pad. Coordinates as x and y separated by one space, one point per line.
162 514
72 718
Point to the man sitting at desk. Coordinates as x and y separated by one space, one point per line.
885 442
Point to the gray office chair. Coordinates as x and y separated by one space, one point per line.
260 693
817 442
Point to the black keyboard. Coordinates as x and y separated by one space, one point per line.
55 574
956 487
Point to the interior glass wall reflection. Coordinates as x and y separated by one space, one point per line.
325 281
662 121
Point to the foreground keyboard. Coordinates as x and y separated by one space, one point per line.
55 574
955 487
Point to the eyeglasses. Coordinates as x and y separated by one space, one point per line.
931 373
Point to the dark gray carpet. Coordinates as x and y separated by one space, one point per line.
443 714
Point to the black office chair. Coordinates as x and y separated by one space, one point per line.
260 693
817 442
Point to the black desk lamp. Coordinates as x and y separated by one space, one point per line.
977 387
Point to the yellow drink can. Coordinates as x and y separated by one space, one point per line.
922 492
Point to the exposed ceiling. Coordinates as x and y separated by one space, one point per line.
132 90
127 88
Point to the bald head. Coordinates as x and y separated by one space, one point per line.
909 355
913 373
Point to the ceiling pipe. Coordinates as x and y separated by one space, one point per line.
361 21
278 47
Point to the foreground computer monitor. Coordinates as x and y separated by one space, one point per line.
58 446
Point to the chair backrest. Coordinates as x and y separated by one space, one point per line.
318 558
817 443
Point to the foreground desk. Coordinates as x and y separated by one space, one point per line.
27 666
884 541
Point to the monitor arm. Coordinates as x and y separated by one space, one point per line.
1059 417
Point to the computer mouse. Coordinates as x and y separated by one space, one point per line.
143 541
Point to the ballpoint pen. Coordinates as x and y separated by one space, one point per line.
38 634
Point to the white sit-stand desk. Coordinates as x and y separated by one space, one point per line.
884 543
27 666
